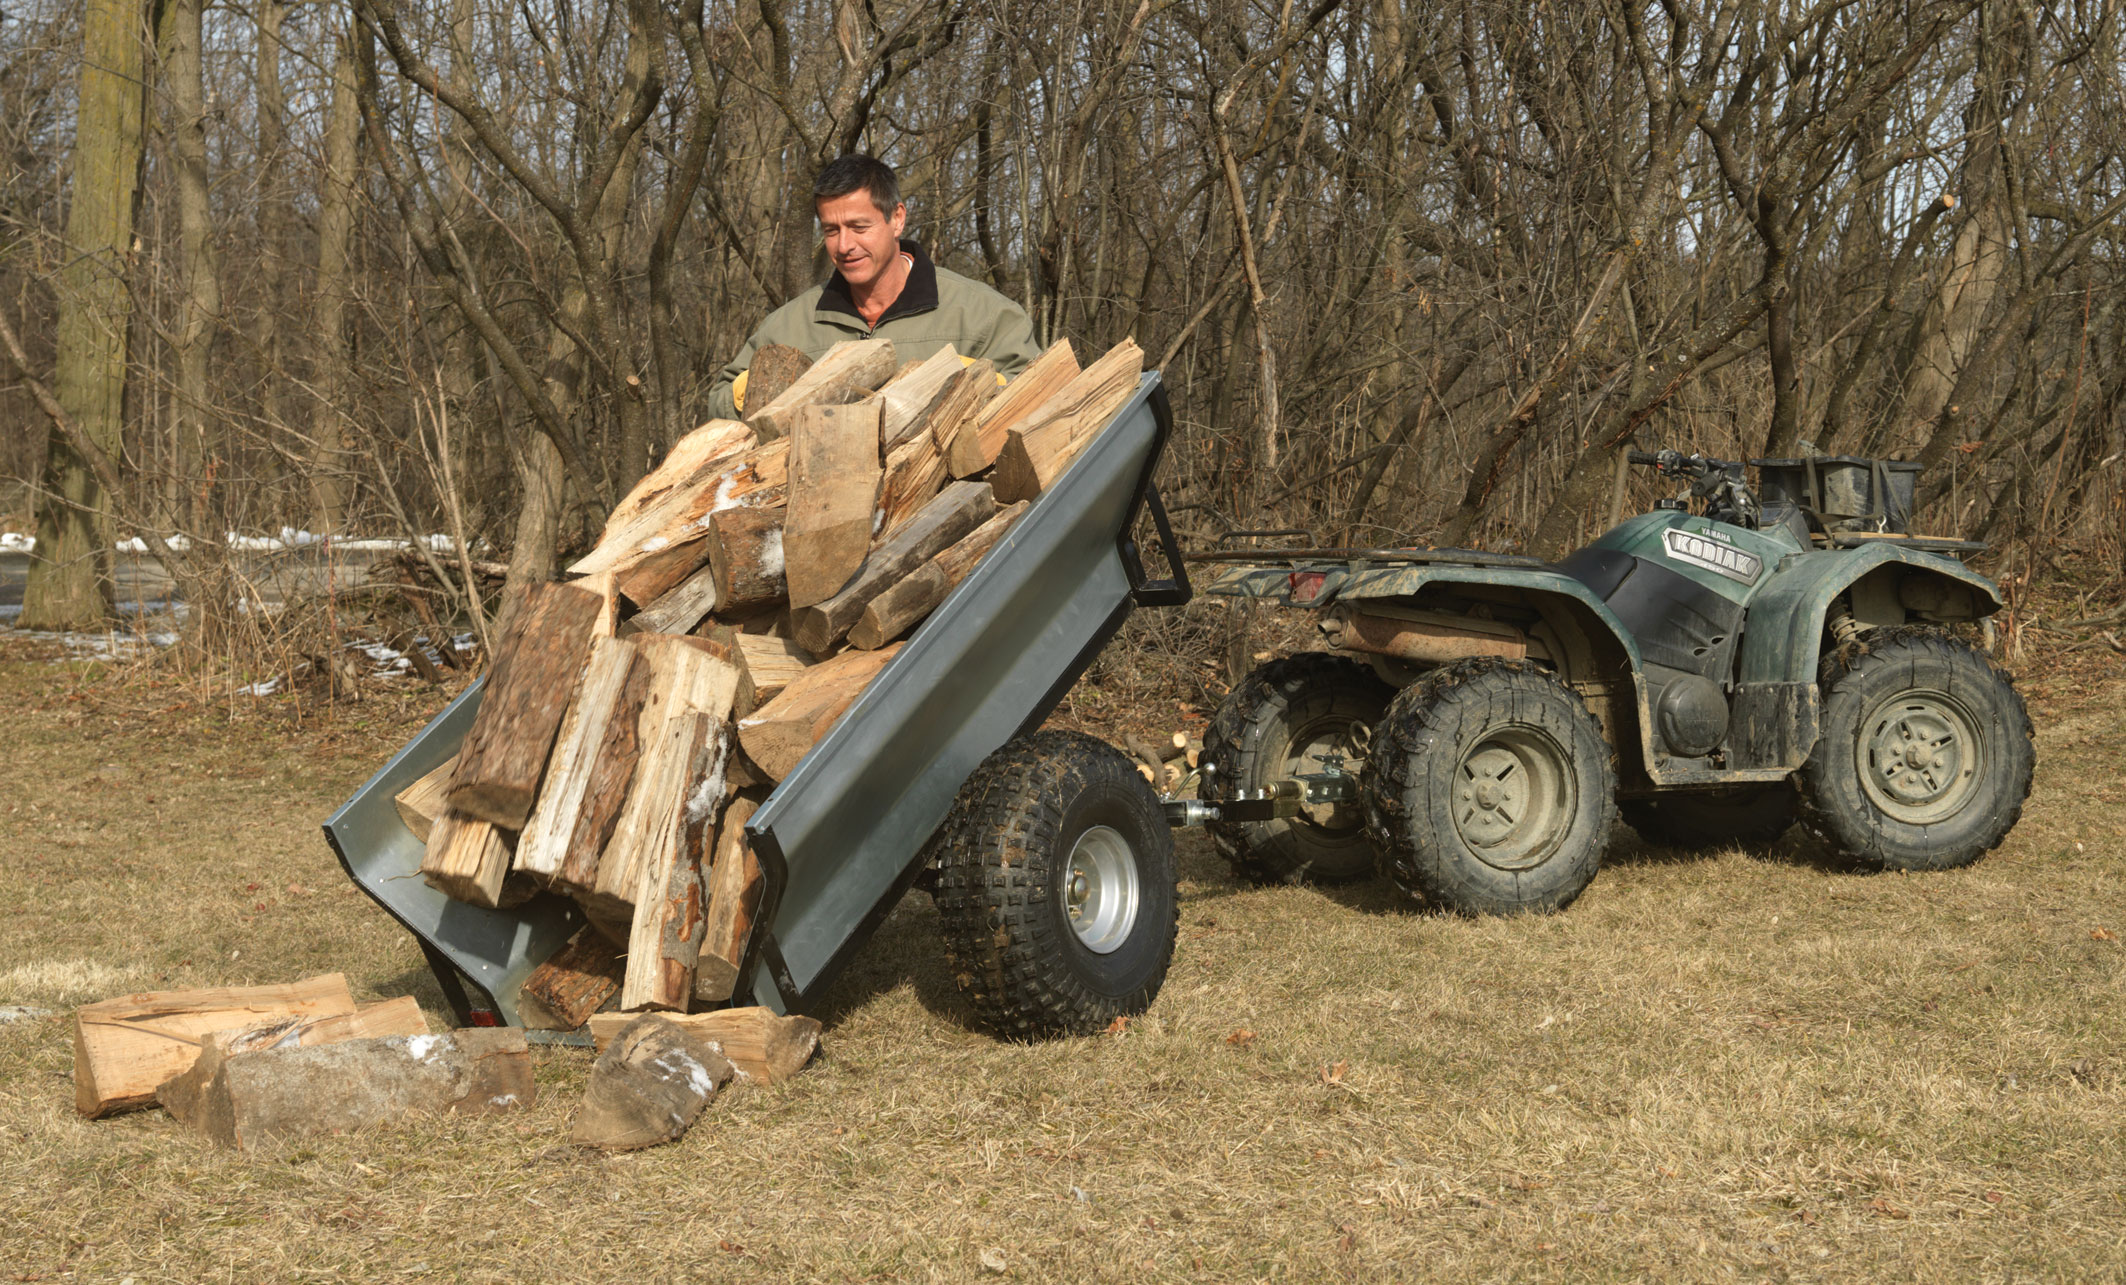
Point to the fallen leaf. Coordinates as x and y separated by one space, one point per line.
1334 1075
1241 1038
1993 1197
1120 1026
1886 1209
2103 934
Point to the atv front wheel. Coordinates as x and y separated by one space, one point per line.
1056 888
1490 790
1278 723
1749 817
1925 757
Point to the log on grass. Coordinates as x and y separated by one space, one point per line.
535 672
181 1095
573 983
847 373
734 888
905 403
648 1086
681 607
468 858
764 1047
974 447
834 477
126 1047
420 803
1036 454
773 369
954 513
693 462
908 601
780 733
746 557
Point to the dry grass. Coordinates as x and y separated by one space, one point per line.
1708 1067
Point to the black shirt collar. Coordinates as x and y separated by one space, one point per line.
918 294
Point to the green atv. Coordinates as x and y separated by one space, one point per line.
1478 721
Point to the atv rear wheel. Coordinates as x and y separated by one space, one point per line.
1275 725
1925 757
1056 888
1749 817
1490 790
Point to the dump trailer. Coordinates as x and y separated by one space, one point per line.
1055 874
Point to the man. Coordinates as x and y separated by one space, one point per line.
882 287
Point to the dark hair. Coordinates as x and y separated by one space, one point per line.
857 172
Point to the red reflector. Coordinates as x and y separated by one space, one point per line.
1306 585
484 1017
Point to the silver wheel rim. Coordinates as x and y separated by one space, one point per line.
1920 754
1100 890
1514 797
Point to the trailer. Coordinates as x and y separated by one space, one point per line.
1055 876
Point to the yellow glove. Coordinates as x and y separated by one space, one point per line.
738 390
965 360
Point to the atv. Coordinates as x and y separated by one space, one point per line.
1713 671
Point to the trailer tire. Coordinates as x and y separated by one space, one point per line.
1266 731
1925 757
1056 888
1490 790
1748 817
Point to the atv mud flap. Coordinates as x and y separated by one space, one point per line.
845 834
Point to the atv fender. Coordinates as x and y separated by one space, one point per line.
1782 639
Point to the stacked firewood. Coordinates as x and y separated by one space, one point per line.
742 596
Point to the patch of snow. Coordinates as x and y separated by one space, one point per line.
423 1047
678 1062
505 1100
771 558
10 542
878 520
266 688
653 544
701 804
21 1013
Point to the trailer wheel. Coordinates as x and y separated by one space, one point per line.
1056 888
1750 817
1271 728
1490 790
1925 756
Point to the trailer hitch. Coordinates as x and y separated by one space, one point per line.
1285 798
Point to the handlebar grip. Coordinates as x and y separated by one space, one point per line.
1643 457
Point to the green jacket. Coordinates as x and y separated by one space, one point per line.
936 307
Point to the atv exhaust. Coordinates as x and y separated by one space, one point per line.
1428 637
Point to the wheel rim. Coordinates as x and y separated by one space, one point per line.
1100 890
1345 737
1513 798
1921 754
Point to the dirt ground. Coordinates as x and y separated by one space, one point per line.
1710 1067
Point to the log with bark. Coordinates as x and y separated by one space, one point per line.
613 752
765 1047
1037 452
849 372
126 1047
780 733
548 836
746 557
665 491
574 982
734 888
904 404
679 609
664 941
773 369
954 513
535 672
905 603
974 447
834 477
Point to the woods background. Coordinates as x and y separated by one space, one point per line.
1413 272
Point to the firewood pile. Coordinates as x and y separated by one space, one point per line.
740 599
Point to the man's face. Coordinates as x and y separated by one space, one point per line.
861 239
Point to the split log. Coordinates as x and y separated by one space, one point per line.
774 368
693 461
964 398
664 941
908 601
1036 454
975 446
420 803
734 888
956 511
746 557
662 569
468 858
254 1098
834 477
573 983
905 403
612 757
680 608
182 1095
690 690
124 1048
764 1047
849 372
914 473
648 1086
770 663
543 845
536 670
783 731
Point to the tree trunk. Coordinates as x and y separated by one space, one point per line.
197 431
330 474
